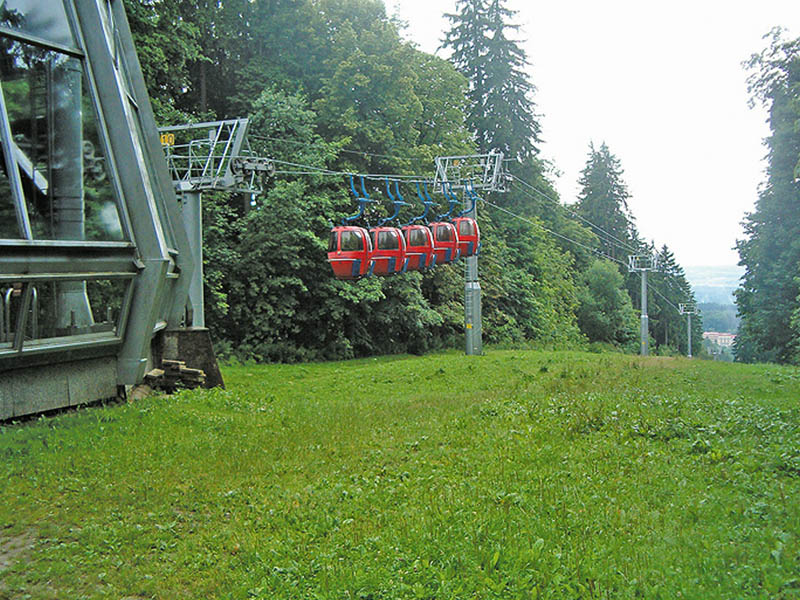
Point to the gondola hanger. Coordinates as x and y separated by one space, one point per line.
469 192
363 200
469 236
426 202
418 237
445 237
389 246
397 201
349 246
452 201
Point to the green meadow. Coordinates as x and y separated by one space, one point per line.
519 474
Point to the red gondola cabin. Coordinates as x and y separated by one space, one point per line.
469 236
445 242
350 252
419 247
390 251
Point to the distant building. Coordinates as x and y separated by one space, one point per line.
721 339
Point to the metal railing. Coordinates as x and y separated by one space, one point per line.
6 332
199 154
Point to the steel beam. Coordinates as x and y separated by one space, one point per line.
180 253
40 260
135 152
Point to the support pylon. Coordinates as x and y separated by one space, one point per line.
688 310
643 263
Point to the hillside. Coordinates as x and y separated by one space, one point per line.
719 317
714 284
512 475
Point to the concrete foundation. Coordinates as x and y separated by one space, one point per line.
39 389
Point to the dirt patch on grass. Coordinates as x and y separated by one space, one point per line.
14 547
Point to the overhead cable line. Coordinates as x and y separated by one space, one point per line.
602 239
303 169
620 245
664 298
593 250
680 290
550 231
624 245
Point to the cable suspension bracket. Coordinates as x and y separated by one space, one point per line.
397 201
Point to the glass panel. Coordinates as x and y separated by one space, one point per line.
332 242
106 297
57 146
101 210
107 15
352 241
24 88
10 300
466 228
443 233
43 19
9 227
387 240
70 308
417 237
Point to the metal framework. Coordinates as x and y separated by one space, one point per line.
468 174
93 258
212 156
642 262
480 171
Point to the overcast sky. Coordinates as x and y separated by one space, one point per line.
662 84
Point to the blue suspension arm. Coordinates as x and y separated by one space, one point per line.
396 201
451 199
426 202
472 196
362 201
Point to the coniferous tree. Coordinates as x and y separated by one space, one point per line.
671 289
512 127
768 299
469 43
603 200
500 109
167 44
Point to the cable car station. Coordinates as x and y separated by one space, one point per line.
95 263
101 255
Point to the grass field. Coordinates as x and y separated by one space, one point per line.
513 475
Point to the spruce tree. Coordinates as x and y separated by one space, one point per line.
603 200
500 109
469 44
768 298
667 325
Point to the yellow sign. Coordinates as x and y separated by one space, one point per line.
469 325
167 139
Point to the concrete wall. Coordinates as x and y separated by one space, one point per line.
39 389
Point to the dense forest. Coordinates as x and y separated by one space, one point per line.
769 299
332 84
